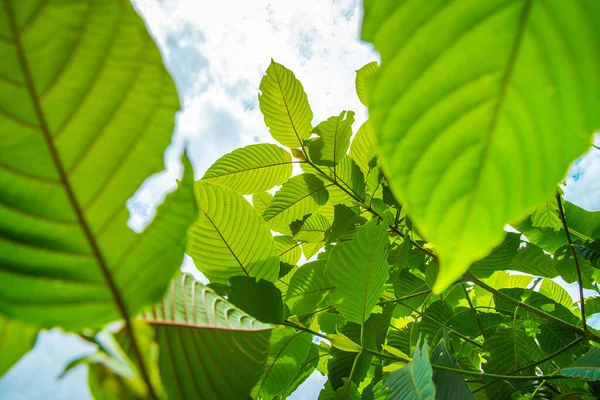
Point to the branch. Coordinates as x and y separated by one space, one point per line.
561 213
408 297
474 312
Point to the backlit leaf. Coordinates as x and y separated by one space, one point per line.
17 338
333 139
361 75
413 381
478 126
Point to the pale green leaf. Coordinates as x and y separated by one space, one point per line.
586 367
313 229
333 139
415 380
351 183
364 147
201 338
16 339
554 291
288 249
285 106
261 201
361 75
358 269
545 216
251 169
478 125
289 348
230 238
308 288
86 111
532 260
299 196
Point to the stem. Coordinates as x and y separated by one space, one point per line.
303 329
408 297
496 376
561 213
474 312
548 317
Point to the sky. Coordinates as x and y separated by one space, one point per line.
217 56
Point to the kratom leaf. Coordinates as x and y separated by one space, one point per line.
586 367
333 139
565 266
288 249
358 269
87 110
499 259
361 75
285 106
16 339
306 369
313 229
208 348
345 223
261 201
352 182
262 300
546 216
289 348
364 147
251 169
448 385
413 381
299 196
460 120
583 225
308 288
230 238
508 350
348 391
554 291
532 260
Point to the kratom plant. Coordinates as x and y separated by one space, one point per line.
382 262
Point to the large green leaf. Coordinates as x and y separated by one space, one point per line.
507 350
478 125
448 385
16 339
251 169
261 201
285 106
230 238
299 196
499 259
86 111
288 249
532 260
308 288
208 348
333 139
414 380
289 348
586 367
359 269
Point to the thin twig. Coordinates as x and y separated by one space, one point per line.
474 312
561 213
408 297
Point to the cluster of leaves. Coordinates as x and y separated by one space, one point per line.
324 270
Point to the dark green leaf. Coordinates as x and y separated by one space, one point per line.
586 367
261 299
308 288
448 385
415 380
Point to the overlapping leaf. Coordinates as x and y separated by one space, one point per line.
586 367
333 139
251 169
413 381
361 75
230 238
451 114
358 269
86 113
208 348
308 288
285 106
364 147
16 339
261 201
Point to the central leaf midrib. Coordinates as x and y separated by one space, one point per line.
250 169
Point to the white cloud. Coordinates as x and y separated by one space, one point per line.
583 180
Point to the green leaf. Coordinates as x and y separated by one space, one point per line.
16 339
313 229
299 196
261 201
449 385
583 225
306 369
358 269
285 106
333 139
308 288
289 348
251 169
230 238
465 119
499 259
364 147
288 249
532 260
586 367
87 110
546 216
507 350
348 391
565 266
413 381
361 75
208 348
554 291
352 181
345 223
261 299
